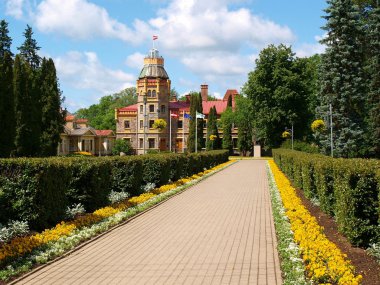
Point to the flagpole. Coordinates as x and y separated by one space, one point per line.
196 130
183 133
170 130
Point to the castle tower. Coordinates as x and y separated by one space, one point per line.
153 90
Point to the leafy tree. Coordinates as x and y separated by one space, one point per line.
7 114
277 95
25 138
227 119
213 140
102 116
343 82
52 116
122 146
246 125
5 39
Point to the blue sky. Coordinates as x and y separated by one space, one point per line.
98 45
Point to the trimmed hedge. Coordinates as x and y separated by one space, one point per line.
39 190
348 189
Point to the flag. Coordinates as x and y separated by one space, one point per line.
187 116
174 115
155 38
200 116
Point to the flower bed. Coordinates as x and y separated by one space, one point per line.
324 262
21 253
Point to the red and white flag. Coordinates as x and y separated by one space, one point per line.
174 115
155 38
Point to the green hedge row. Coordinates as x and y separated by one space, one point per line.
348 189
39 190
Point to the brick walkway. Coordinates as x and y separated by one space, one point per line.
218 232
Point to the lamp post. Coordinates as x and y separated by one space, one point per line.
145 121
292 133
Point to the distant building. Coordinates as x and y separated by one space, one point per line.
79 136
135 122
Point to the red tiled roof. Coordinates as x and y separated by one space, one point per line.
70 118
220 106
129 108
81 121
104 132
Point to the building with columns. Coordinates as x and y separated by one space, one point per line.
135 122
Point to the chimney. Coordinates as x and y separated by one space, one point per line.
204 92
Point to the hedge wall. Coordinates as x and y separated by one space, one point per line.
40 189
348 189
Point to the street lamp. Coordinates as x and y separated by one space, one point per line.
145 121
292 133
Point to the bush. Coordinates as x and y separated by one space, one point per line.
122 146
39 191
300 146
346 188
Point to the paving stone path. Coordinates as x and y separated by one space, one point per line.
218 232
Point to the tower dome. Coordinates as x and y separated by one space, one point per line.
153 66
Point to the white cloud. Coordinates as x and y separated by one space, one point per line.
84 71
135 60
14 8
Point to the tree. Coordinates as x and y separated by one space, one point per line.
29 49
174 95
343 82
227 119
25 138
277 96
122 146
229 102
193 111
7 114
373 135
246 125
213 139
101 116
5 39
52 116
200 124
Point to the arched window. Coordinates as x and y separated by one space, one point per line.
149 93
154 93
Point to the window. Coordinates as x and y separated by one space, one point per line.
141 124
163 108
151 143
154 93
127 124
180 124
141 109
141 143
149 93
151 108
151 122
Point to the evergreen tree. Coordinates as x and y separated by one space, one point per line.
52 116
227 119
200 124
29 49
229 102
5 39
24 140
212 130
244 138
7 114
373 135
343 84
193 109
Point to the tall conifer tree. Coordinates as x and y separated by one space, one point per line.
193 109
52 116
212 130
200 124
342 79
5 39
373 135
24 140
227 120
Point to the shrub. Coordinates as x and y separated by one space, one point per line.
122 146
74 210
300 146
346 188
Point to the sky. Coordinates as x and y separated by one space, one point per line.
98 46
